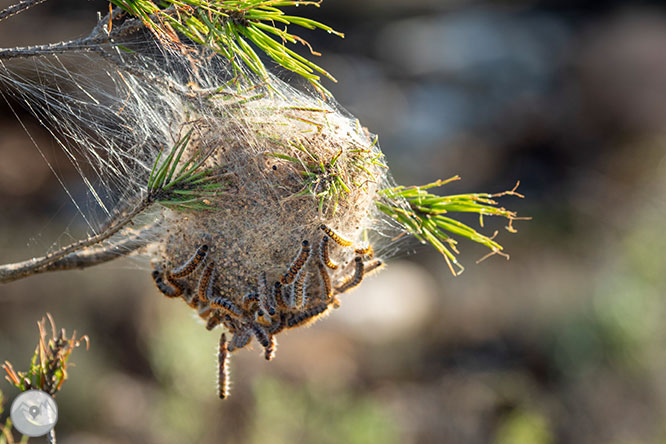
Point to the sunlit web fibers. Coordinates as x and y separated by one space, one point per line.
109 122
113 112
108 110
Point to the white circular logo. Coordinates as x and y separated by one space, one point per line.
34 413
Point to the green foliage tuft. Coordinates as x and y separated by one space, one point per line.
425 216
231 27
188 187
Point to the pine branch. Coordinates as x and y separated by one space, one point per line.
12 272
424 217
185 187
52 48
100 35
79 259
229 27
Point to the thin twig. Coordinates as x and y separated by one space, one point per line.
99 35
12 272
96 256
18 8
82 259
49 49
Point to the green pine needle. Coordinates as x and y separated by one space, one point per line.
425 217
326 179
189 186
231 27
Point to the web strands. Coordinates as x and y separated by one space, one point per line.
115 112
106 115
112 113
80 108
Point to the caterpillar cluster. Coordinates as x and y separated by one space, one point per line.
285 167
303 294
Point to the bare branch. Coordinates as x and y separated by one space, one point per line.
12 272
96 256
51 48
99 35
80 259
18 8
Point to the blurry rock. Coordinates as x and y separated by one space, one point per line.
389 305
318 354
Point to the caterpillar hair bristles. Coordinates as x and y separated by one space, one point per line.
355 279
205 285
214 319
296 299
373 266
263 337
307 316
324 257
261 317
279 296
239 340
223 368
178 286
226 305
325 281
366 251
166 289
192 263
270 350
335 236
249 300
279 324
297 264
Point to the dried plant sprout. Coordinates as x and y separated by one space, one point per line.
48 368
256 203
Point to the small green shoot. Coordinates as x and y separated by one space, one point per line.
231 27
326 180
189 186
425 217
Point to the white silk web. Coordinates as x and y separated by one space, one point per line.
113 109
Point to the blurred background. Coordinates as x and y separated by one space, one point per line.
564 343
